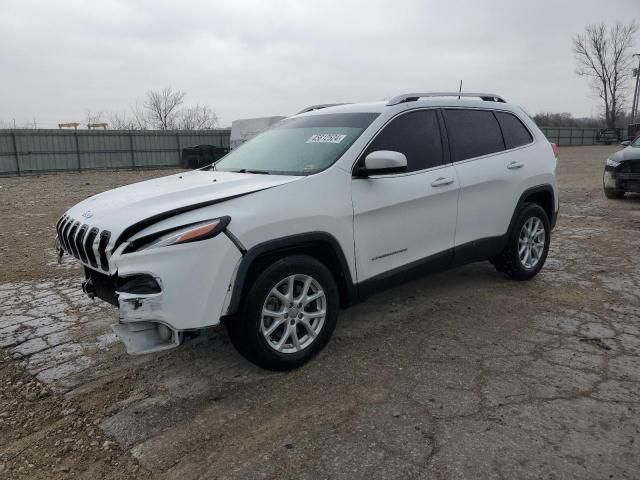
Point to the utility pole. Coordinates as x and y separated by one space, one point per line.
636 91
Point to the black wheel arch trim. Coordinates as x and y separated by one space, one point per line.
283 244
543 188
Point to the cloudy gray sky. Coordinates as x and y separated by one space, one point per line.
257 58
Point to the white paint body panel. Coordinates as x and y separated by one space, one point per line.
399 219
490 190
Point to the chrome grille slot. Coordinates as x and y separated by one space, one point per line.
102 249
88 246
59 224
65 233
79 242
59 227
71 238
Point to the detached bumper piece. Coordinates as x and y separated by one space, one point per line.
146 337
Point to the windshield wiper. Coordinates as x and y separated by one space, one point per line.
245 170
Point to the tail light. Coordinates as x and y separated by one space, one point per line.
555 149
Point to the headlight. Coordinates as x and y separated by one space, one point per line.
612 163
189 233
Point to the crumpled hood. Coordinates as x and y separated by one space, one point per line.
117 209
628 153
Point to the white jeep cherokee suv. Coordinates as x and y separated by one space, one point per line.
315 214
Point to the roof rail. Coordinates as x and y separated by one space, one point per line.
412 97
318 107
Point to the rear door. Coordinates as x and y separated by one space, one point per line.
410 216
491 168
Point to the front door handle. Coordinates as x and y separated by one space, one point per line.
515 165
441 182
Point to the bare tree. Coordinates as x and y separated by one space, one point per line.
91 117
161 110
161 107
197 117
120 121
603 56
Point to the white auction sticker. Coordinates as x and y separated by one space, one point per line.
326 138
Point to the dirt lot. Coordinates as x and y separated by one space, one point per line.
463 375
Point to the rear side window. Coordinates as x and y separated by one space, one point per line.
473 133
417 135
514 132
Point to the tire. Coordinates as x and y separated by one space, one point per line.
509 260
306 330
613 194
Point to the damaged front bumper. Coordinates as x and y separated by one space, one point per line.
164 293
147 337
135 330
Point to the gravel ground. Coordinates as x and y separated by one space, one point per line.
462 375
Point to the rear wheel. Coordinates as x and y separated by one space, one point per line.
528 244
289 314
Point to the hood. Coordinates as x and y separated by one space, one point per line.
117 209
627 153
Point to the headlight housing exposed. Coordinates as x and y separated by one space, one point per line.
193 232
612 163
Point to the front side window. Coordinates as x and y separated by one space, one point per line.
473 133
514 132
298 146
416 135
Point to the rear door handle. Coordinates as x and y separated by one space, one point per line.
515 165
441 182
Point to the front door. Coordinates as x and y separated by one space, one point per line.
402 220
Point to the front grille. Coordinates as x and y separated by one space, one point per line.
629 166
87 244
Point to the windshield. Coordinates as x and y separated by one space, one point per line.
636 142
298 146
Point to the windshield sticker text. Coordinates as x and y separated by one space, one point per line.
326 138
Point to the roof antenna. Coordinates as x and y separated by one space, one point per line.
460 90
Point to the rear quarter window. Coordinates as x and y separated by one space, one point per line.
473 133
514 132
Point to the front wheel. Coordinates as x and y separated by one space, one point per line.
612 193
528 244
288 315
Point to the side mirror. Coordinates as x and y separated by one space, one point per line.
381 162
626 143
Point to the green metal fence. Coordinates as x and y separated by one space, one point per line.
40 151
566 136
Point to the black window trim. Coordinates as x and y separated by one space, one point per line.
446 156
533 138
492 110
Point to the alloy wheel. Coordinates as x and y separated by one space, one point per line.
531 242
293 313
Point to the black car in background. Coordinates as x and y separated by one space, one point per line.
622 170
201 155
